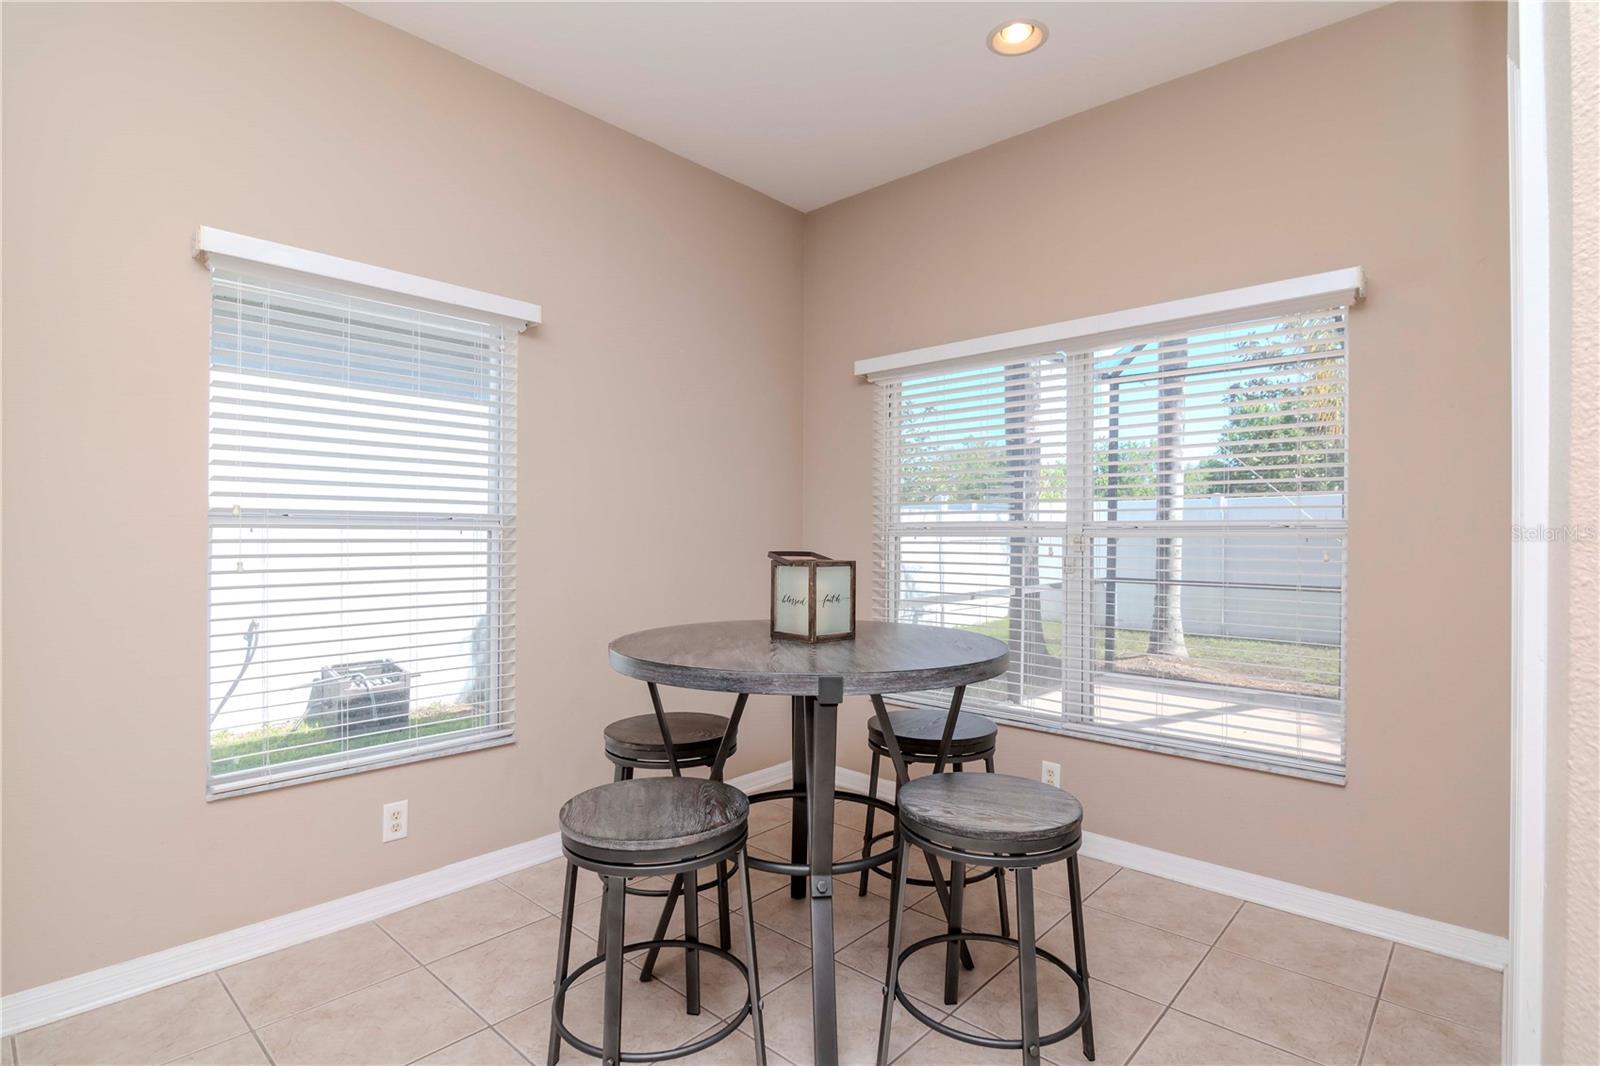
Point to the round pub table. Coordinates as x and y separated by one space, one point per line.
742 658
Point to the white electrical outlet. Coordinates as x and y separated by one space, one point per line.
1050 774
394 820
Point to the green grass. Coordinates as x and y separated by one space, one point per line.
1316 666
262 747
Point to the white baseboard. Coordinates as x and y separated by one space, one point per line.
1441 938
764 778
73 995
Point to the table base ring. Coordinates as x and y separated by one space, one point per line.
792 869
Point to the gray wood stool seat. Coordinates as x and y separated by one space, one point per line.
1000 821
662 818
659 826
636 744
919 732
1008 815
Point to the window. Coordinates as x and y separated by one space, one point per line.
362 503
1156 527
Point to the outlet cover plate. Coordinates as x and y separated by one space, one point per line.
396 820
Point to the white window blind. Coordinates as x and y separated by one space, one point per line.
1156 529
362 501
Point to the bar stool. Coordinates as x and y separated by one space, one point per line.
990 820
636 744
672 826
919 733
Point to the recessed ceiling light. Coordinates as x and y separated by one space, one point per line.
1017 37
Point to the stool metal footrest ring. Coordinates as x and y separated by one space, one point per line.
690 1048
973 1038
851 866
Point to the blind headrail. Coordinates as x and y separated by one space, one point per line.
239 249
1333 288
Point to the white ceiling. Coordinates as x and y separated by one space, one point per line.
812 102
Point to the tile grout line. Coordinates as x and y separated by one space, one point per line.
488 1024
943 1015
501 882
498 936
836 948
1275 966
424 967
1394 948
1372 1019
491 1029
1376 998
1246 1036
1308 977
1262 962
249 1027
1157 928
785 983
1266 962
1167 1008
349 992
1161 929
1441 1018
766 993
929 1032
262 1044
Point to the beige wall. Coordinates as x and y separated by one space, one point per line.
1572 913
1381 142
676 295
659 439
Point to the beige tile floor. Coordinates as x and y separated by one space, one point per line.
1180 976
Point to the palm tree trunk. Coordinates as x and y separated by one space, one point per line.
1026 477
1166 616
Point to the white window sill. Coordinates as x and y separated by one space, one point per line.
248 783
1122 739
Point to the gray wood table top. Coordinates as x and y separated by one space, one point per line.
743 657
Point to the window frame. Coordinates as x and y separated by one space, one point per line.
1079 340
268 262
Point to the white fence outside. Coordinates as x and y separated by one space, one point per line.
1260 585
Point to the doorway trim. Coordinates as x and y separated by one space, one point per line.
1528 129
